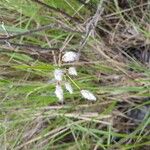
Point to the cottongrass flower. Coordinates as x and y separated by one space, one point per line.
70 57
68 87
72 71
58 74
88 95
59 93
58 77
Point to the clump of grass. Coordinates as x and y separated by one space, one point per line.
112 38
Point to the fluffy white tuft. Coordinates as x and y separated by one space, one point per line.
59 93
88 95
72 71
58 74
68 87
70 57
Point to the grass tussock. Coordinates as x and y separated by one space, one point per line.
112 38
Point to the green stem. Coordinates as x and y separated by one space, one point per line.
73 82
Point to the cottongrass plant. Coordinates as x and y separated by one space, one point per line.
59 75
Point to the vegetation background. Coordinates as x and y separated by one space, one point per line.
113 37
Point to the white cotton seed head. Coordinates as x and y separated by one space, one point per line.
59 93
58 74
68 87
88 95
70 57
72 71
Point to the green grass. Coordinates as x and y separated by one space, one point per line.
31 116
